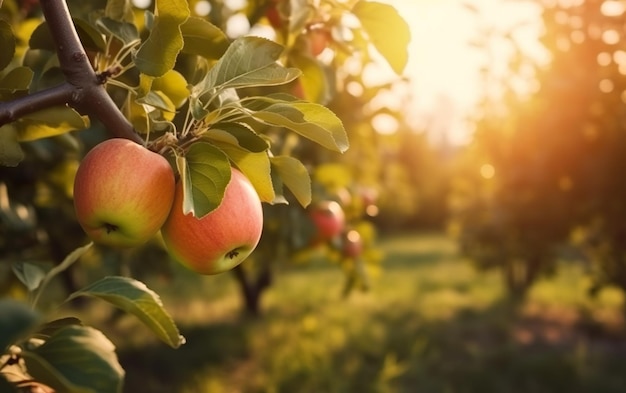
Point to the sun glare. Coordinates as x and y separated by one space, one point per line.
444 67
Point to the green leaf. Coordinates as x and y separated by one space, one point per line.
29 274
295 176
205 173
387 30
134 297
313 80
18 78
16 321
312 121
202 38
121 10
50 122
238 135
248 61
124 31
51 327
76 359
158 53
89 36
158 100
256 167
7 43
11 153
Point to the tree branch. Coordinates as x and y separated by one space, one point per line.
83 90
12 110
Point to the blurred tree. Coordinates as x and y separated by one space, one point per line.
543 165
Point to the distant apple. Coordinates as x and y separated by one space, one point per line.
123 193
318 39
329 219
222 239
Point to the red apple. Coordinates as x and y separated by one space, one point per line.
223 238
329 219
273 15
123 193
318 39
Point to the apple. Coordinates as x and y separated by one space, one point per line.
352 244
223 238
329 219
273 15
318 39
123 193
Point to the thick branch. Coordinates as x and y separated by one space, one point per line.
83 91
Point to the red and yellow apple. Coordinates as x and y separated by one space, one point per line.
328 218
123 193
223 238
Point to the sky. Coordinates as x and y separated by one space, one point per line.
444 67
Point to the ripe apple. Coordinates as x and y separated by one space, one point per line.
273 15
329 219
352 244
318 39
123 193
223 238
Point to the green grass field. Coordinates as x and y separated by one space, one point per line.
430 323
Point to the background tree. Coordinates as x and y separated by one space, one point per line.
545 165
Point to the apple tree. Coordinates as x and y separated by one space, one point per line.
544 169
117 122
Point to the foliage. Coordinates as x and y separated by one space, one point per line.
183 86
551 161
432 323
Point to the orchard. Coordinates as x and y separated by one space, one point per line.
184 128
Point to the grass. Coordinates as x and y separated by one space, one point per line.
431 323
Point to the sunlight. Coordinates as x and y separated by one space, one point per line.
444 67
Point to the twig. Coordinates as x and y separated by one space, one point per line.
83 90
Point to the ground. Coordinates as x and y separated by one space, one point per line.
430 323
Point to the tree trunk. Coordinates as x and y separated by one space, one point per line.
252 286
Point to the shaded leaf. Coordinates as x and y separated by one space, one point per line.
135 298
7 43
202 38
387 30
158 53
312 121
295 176
90 37
51 327
50 122
30 274
124 31
76 359
205 173
18 78
16 321
11 153
5 386
121 10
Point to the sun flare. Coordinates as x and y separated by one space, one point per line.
445 61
